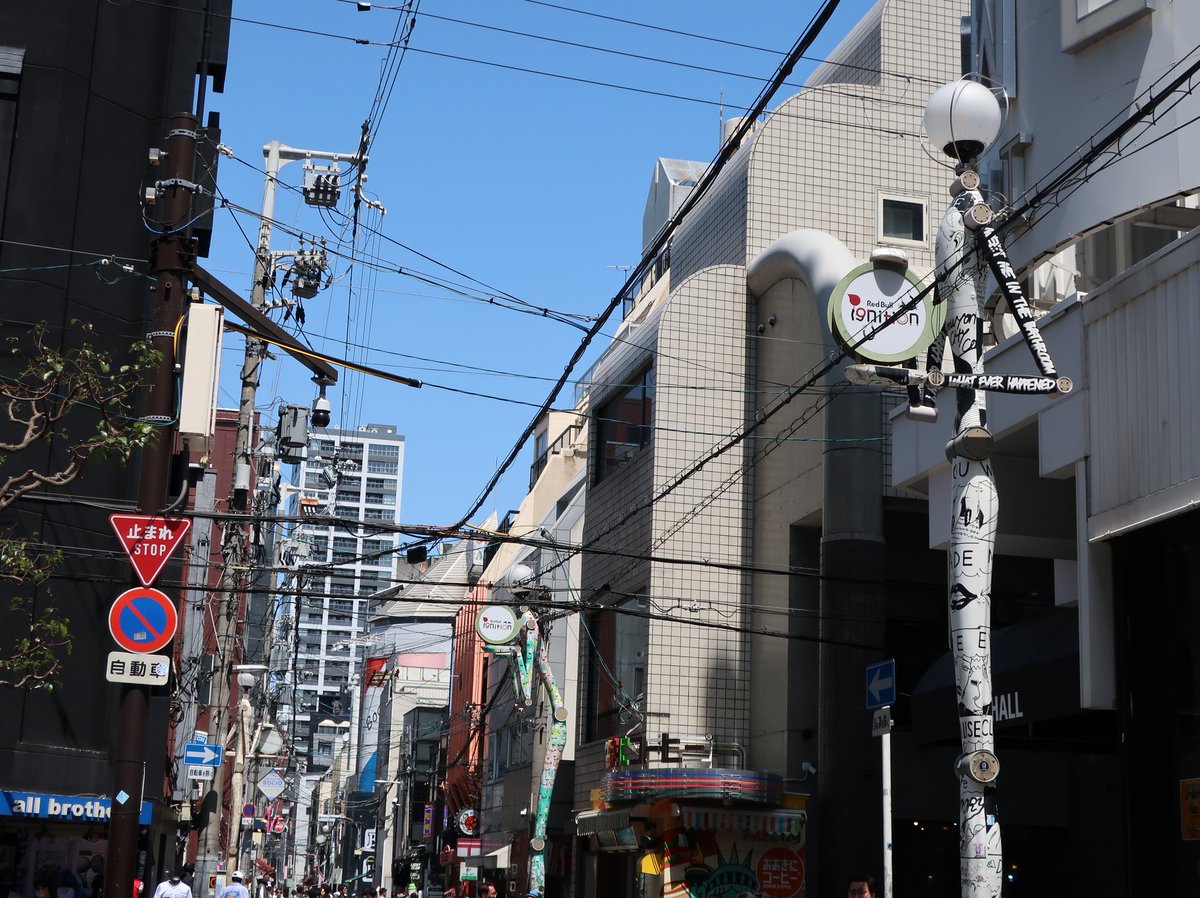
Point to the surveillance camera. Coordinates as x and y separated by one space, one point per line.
808 768
320 412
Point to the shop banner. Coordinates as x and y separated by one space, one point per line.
70 808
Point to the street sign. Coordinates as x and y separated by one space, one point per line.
496 624
278 825
201 772
247 810
881 684
142 620
127 667
149 541
881 721
272 785
203 753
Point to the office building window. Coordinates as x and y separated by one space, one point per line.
625 424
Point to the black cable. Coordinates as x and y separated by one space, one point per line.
726 153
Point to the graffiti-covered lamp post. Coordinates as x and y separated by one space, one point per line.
963 119
516 635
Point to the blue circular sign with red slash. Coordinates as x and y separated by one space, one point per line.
142 620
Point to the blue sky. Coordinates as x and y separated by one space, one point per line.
532 184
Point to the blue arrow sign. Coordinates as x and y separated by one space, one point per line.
881 684
203 754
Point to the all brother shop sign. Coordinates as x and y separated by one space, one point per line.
82 808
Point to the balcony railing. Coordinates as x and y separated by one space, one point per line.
564 439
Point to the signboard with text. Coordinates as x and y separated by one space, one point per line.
128 667
149 541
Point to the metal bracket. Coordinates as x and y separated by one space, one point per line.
178 182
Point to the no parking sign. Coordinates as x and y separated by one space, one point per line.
142 620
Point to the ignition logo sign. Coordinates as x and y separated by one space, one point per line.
872 300
496 624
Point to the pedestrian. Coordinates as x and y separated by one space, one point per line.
534 893
173 886
235 889
862 887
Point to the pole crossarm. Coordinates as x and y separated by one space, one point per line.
228 298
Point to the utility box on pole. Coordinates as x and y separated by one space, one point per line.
201 374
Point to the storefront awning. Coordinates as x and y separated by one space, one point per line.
493 860
1035 677
761 824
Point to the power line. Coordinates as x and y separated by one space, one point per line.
811 32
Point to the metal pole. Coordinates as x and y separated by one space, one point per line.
974 507
169 253
885 742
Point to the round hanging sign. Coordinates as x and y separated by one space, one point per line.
496 624
872 294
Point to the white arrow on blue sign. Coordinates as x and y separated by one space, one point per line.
881 684
203 754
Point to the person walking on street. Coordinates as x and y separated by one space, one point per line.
235 889
173 887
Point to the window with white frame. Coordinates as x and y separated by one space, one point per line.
903 219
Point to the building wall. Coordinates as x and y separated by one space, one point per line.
1079 87
698 676
76 121
332 620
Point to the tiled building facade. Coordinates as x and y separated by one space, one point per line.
676 656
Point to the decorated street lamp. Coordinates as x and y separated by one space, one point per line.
963 119
517 636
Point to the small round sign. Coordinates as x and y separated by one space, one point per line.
248 810
142 620
496 624
871 295
278 825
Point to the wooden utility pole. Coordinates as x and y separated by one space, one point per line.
171 254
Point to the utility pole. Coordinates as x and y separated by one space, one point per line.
171 254
237 548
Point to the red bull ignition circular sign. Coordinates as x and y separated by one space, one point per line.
873 294
496 624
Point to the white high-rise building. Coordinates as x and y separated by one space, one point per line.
353 476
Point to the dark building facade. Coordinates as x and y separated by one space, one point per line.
86 88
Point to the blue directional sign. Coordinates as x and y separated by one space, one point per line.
881 684
203 754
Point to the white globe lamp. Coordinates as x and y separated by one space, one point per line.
963 118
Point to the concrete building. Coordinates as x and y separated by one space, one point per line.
79 109
351 475
742 596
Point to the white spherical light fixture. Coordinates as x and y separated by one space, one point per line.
963 118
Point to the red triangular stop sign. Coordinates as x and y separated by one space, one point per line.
149 541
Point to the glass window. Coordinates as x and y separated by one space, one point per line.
625 424
617 641
903 220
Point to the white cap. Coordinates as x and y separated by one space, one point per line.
238 874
